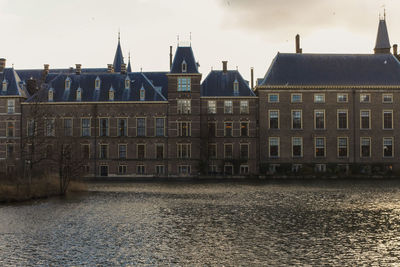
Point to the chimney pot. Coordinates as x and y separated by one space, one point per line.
110 68
123 68
170 56
252 78
225 66
78 68
2 64
395 49
46 69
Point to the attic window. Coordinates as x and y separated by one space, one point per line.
142 94
97 83
184 66
111 94
127 83
235 88
4 86
79 94
50 95
67 83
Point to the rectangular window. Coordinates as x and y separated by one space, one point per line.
212 107
228 129
160 169
342 119
388 147
297 98
244 129
68 127
103 151
342 143
141 126
10 129
274 147
228 151
10 151
387 119
319 119
122 127
319 98
244 151
244 107
365 147
85 150
319 147
365 119
85 127
31 127
122 169
122 148
184 151
212 129
297 147
184 169
365 98
104 130
184 84
160 127
141 151
10 106
50 127
273 98
387 98
228 107
159 151
297 119
184 106
140 169
273 119
184 128
342 98
212 151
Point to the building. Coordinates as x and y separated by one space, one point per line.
320 112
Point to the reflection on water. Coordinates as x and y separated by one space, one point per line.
332 223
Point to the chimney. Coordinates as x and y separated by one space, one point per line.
110 68
123 68
46 69
170 56
252 77
298 49
78 69
2 64
224 66
395 50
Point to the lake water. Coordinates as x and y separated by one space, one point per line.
271 223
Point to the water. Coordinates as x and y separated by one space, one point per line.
286 223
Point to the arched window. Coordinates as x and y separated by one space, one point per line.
50 95
67 83
184 66
97 83
142 94
79 94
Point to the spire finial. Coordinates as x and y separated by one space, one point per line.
384 12
177 38
190 36
129 55
119 35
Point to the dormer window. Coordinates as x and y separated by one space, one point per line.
51 95
127 83
79 94
67 83
142 94
111 94
184 66
4 85
97 83
235 88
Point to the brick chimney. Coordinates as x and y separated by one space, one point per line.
78 68
110 68
298 49
170 56
395 50
2 64
46 69
252 77
123 68
225 66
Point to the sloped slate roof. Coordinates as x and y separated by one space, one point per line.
184 53
333 69
26 74
159 80
218 83
89 94
15 87
382 38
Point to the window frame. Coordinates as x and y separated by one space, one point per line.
225 146
184 86
383 119
119 151
225 127
210 109
365 95
156 127
184 106
338 95
10 108
101 127
339 147
144 151
71 128
338 111
361 146
369 119
144 128
89 127
315 146
387 102
271 95
228 109
323 98
292 119
301 146
315 119
269 147
269 119
296 94
383 147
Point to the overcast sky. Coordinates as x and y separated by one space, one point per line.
247 33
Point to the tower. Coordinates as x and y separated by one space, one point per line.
382 45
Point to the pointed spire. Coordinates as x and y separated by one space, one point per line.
129 63
382 45
118 58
